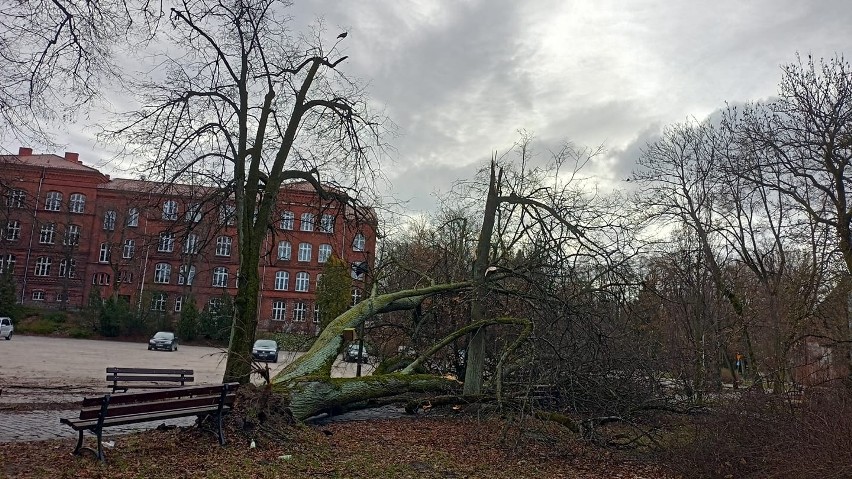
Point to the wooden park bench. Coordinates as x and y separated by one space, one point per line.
123 379
118 409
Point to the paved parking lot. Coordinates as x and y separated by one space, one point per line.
37 371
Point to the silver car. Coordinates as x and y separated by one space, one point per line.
6 327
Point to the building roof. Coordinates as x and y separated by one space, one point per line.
49 161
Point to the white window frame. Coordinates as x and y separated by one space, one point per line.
305 252
72 235
190 244
327 224
42 266
223 245
316 313
162 273
299 311
158 301
128 249
7 261
220 277
16 198
170 210
13 230
288 218
186 274
109 220
68 268
166 243
133 217
303 281
354 270
279 310
193 213
38 295
178 303
282 281
47 234
359 242
323 253
356 296
104 253
306 222
285 250
77 203
53 201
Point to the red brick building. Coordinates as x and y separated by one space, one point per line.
69 230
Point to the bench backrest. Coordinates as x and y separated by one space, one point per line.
158 401
116 375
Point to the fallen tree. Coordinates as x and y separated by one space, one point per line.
307 383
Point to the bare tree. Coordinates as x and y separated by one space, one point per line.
242 102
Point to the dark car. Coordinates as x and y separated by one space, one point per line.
350 354
163 340
265 350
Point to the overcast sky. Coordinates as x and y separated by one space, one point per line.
460 78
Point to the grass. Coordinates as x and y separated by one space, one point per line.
440 447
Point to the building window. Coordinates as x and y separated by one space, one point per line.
307 222
190 244
304 251
104 254
359 242
53 201
162 273
61 297
279 310
47 234
359 269
128 249
109 220
72 235
287 220
223 246
316 314
158 302
178 304
38 295
303 281
125 276
13 230
101 279
327 224
7 263
285 250
193 213
170 210
214 304
77 203
356 296
42 266
16 198
299 311
166 243
324 253
226 214
220 277
133 217
282 280
186 274
68 268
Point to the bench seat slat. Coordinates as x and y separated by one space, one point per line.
158 395
78 424
177 379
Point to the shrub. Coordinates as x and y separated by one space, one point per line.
39 326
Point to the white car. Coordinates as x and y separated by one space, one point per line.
6 327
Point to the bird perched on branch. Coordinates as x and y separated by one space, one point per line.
343 35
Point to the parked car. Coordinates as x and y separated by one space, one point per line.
265 350
6 327
350 354
163 340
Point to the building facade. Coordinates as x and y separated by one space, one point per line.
71 234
